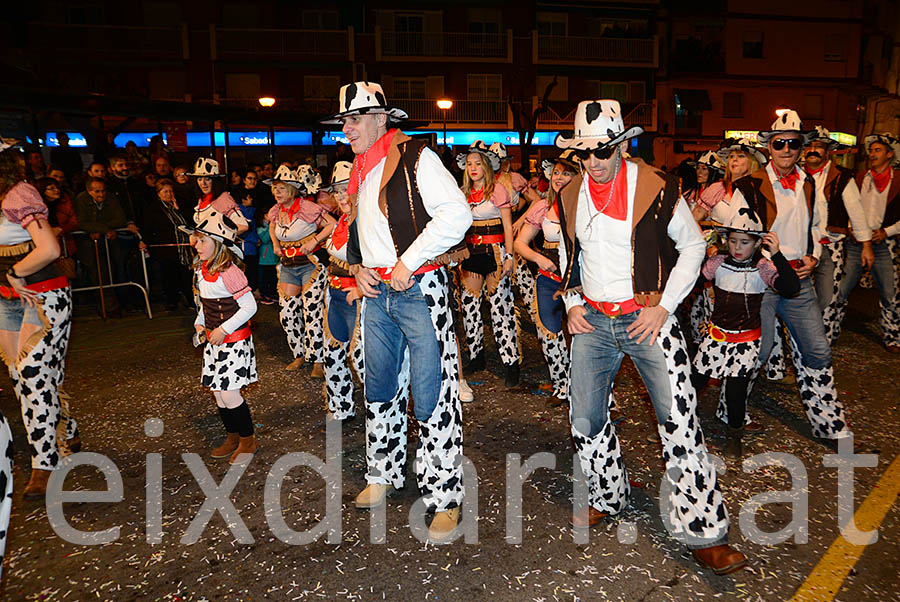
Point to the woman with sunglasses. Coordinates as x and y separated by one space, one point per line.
490 262
547 308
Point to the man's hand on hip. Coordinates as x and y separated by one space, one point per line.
367 282
401 277
578 324
648 323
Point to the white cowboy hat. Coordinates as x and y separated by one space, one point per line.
598 124
741 144
207 168
219 227
340 174
890 141
820 134
309 179
479 147
710 160
745 220
361 98
789 122
499 149
285 175
567 157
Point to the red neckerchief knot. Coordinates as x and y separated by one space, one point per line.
615 206
366 162
881 179
788 181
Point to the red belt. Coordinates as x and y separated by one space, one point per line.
8 292
238 335
612 310
385 273
295 251
745 336
796 263
550 275
484 239
342 282
825 241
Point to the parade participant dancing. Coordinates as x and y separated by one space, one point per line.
212 196
343 345
782 195
298 226
879 190
729 351
226 306
547 308
409 221
490 262
35 321
709 168
631 253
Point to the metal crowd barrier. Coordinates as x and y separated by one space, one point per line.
109 283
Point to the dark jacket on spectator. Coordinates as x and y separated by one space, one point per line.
93 218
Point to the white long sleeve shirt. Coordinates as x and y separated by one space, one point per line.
217 290
850 198
606 253
444 202
874 204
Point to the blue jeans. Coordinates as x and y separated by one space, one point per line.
596 357
803 318
298 274
882 271
550 310
393 321
824 276
341 315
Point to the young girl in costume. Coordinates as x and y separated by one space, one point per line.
490 262
226 306
730 348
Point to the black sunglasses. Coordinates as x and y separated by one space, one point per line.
600 153
794 143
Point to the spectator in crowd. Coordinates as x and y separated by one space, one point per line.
34 165
157 148
127 189
268 170
65 157
161 167
171 265
62 216
235 180
250 242
258 169
104 145
56 172
137 161
268 280
183 192
96 170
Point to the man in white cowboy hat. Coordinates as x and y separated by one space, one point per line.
784 197
408 222
840 211
879 190
631 253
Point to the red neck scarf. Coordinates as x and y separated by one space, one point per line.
367 161
476 196
206 275
881 179
291 208
341 232
617 208
787 181
813 172
205 202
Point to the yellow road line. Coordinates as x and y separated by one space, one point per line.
827 577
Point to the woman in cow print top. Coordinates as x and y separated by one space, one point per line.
226 306
212 196
490 262
298 226
729 349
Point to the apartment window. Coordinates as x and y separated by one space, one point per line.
410 87
321 20
484 26
559 92
486 86
753 45
835 48
321 86
813 106
553 24
242 85
732 104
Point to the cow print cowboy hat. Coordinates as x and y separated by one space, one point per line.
710 160
598 124
745 220
788 123
479 147
219 227
890 141
362 98
741 144
206 168
567 158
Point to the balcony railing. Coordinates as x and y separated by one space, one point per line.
119 40
463 111
642 114
399 45
288 44
628 52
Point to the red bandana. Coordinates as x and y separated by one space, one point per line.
881 179
364 163
205 202
206 275
341 232
294 208
476 196
787 181
618 204
813 172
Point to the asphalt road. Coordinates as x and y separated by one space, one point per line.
123 372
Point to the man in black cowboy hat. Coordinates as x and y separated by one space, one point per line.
631 253
407 223
784 197
880 197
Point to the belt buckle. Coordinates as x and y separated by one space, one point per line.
615 312
479 239
716 334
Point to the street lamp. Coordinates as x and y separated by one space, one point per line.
267 101
445 105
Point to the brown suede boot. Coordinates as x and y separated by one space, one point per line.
37 485
227 448
247 445
318 370
295 364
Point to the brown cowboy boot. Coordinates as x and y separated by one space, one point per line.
721 559
227 448
37 485
247 445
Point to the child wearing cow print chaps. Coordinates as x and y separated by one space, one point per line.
226 306
730 342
